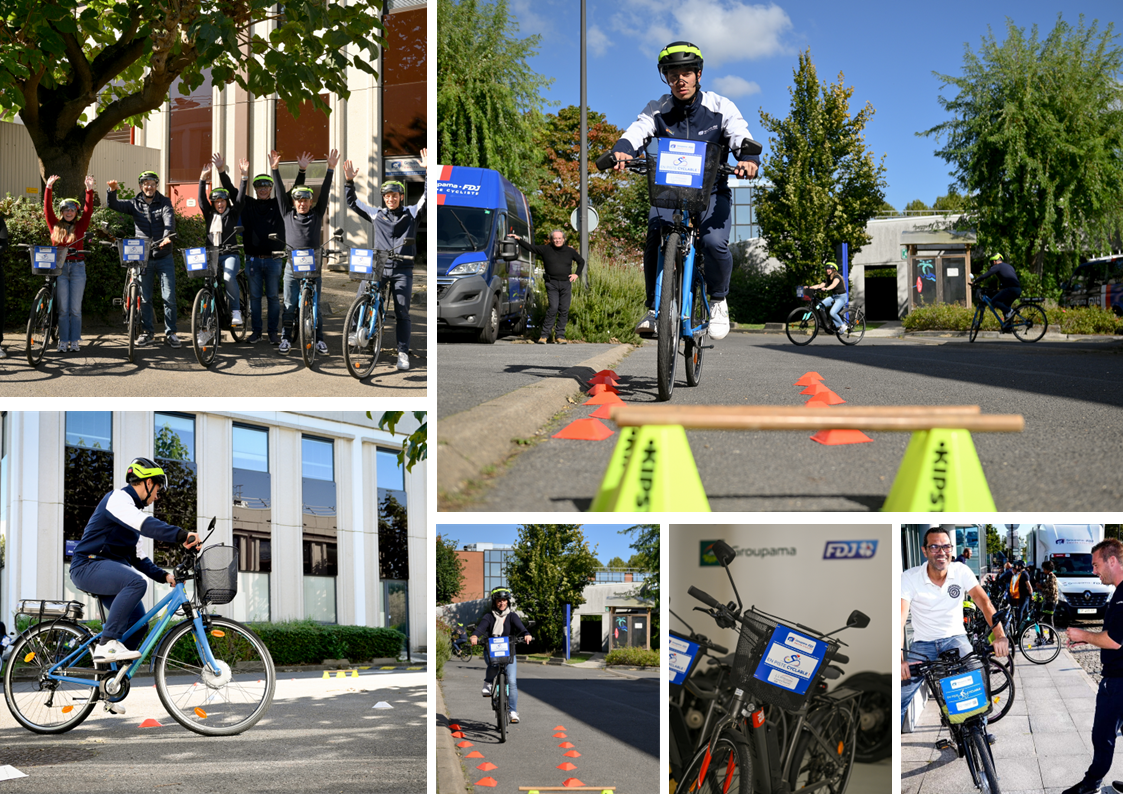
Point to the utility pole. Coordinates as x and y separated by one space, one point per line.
583 209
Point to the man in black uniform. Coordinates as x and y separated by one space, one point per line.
556 258
1107 562
1009 288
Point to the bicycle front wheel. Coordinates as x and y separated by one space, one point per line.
694 347
855 328
501 705
41 704
1040 642
976 322
132 318
669 323
204 328
979 751
238 332
1029 322
307 326
824 753
728 769
221 704
1002 689
802 325
360 348
39 327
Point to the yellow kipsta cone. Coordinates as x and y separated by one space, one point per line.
606 496
354 673
327 674
660 475
940 472
341 674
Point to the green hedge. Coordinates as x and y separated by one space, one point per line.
444 647
950 317
633 657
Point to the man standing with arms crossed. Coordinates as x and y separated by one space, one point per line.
934 594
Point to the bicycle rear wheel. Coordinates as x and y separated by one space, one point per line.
826 755
360 347
976 322
215 705
802 325
855 328
500 701
694 347
132 317
1029 322
1002 690
727 770
307 326
238 332
41 704
669 323
205 336
1040 642
39 327
979 751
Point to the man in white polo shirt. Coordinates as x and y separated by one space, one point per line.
934 594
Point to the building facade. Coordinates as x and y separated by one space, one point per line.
329 527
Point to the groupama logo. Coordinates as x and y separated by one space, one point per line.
707 557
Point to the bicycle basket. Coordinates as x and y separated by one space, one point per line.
777 663
200 262
680 174
50 610
133 251
499 650
964 695
305 262
217 574
47 261
366 265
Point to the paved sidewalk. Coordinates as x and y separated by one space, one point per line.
1044 744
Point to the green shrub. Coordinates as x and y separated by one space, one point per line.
444 647
757 297
944 317
633 657
1084 320
605 312
308 642
951 317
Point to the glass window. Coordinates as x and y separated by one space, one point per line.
190 137
393 520
309 133
175 453
251 448
319 529
253 521
389 471
404 119
316 458
90 429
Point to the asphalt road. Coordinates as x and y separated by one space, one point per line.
1070 393
319 735
610 718
102 367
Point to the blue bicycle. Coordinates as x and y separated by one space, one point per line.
213 675
1027 320
680 177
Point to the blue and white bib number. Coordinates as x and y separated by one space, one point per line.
362 261
964 693
791 660
303 260
499 648
681 656
133 249
196 259
680 163
45 257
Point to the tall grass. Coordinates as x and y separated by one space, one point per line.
606 312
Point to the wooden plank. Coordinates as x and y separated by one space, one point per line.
734 418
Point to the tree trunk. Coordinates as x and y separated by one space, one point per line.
69 160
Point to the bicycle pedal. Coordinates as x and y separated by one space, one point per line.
118 301
945 744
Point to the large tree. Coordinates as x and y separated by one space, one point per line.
825 183
450 573
76 70
1035 139
550 566
488 99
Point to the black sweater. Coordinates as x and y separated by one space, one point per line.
556 261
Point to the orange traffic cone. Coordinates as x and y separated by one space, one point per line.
825 397
605 398
585 430
814 388
601 388
834 437
808 379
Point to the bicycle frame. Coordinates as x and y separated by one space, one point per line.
170 604
687 276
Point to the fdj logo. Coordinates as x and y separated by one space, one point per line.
850 549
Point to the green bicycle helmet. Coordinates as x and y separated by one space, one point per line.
996 258
393 187
69 202
301 192
831 266
263 180
146 175
500 593
143 469
220 193
680 54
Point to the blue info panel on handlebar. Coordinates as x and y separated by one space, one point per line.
682 654
361 260
965 693
791 660
680 163
196 259
132 249
499 648
303 260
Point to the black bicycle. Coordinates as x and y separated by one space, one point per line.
366 319
211 312
501 652
42 321
804 322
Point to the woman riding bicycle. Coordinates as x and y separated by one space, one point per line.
105 561
221 215
836 301
692 114
501 621
69 230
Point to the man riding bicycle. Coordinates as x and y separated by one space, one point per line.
105 561
501 621
691 114
1009 287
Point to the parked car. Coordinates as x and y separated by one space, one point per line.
1097 282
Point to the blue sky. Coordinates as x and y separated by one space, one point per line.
886 51
606 537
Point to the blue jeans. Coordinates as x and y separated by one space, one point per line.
836 303
120 590
71 287
292 299
489 676
265 276
230 265
164 269
926 650
712 241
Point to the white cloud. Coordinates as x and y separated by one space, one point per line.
530 23
726 30
734 86
596 40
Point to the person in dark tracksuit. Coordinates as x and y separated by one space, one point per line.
105 561
220 218
1009 287
392 224
501 621
1107 563
557 258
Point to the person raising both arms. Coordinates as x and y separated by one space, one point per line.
70 230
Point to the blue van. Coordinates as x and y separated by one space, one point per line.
484 279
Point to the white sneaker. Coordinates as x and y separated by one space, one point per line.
487 690
172 340
514 716
403 361
74 347
646 326
322 347
63 347
114 708
205 337
284 347
113 651
3 353
719 319
236 318
842 329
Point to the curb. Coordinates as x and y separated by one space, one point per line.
449 768
484 435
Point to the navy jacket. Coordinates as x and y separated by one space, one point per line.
301 231
115 528
153 221
1007 277
390 226
512 627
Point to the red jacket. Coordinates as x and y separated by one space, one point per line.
77 252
